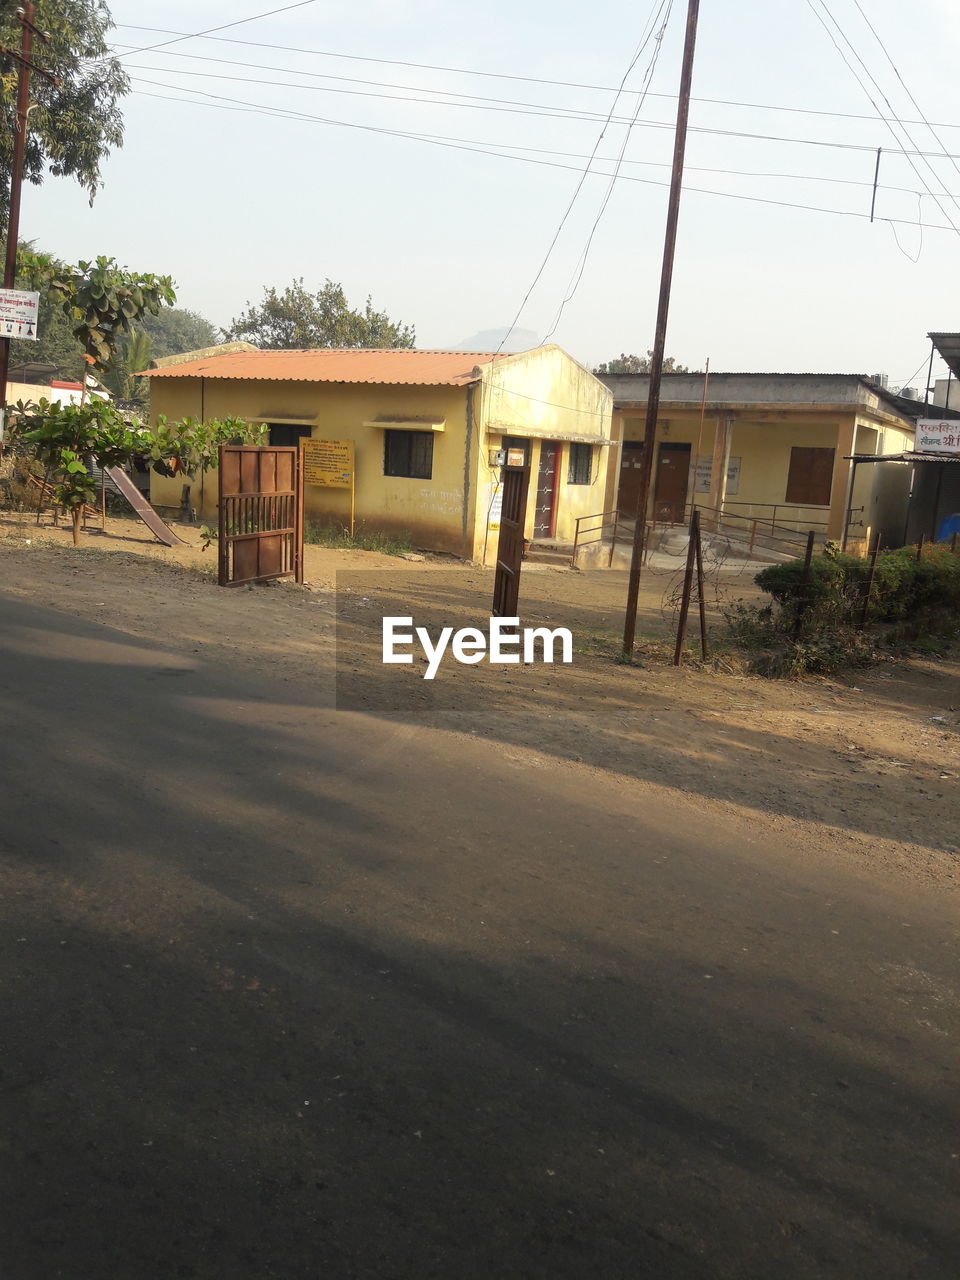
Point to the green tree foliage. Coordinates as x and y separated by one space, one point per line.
63 437
638 364
192 446
170 332
297 318
174 330
73 126
102 301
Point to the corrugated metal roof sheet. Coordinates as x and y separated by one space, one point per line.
394 367
948 347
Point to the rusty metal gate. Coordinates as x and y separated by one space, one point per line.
261 514
506 583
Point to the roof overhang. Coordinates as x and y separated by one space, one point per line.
281 420
947 346
907 456
389 422
533 433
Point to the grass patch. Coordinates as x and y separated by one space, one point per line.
339 538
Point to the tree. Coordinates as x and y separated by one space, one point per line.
73 126
101 300
297 318
170 332
638 364
62 437
174 330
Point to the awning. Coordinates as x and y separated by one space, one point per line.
389 422
532 433
910 456
281 420
947 346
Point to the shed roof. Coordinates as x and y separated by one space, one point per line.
948 347
392 367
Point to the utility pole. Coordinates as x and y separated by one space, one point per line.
660 340
25 15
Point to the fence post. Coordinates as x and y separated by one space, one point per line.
866 599
685 597
613 539
802 594
700 600
576 539
919 548
953 541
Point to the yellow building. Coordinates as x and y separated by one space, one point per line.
774 448
425 427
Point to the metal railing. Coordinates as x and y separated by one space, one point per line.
801 520
608 520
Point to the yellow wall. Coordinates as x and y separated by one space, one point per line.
545 394
535 394
431 511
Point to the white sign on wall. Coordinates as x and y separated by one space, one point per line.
19 309
934 436
496 508
705 470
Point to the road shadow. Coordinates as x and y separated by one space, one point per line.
280 1000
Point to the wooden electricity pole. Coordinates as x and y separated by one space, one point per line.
25 15
660 340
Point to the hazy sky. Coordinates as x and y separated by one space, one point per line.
228 199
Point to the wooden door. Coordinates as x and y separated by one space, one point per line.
513 519
545 515
631 465
673 476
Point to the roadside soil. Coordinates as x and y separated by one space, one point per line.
865 768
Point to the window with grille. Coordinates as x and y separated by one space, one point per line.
581 459
408 453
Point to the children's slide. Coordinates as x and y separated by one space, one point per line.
161 531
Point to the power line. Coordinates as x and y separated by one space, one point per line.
548 112
493 75
238 22
823 5
288 114
644 40
932 128
574 282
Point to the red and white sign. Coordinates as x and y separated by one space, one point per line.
934 436
19 310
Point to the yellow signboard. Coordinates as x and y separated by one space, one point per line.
328 463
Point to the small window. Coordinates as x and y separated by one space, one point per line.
287 434
408 453
581 458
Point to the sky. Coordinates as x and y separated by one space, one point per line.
299 163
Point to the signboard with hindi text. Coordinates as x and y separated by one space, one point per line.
934 436
19 309
330 464
705 471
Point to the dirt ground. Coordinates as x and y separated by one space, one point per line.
870 762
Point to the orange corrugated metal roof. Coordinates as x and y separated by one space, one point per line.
394 367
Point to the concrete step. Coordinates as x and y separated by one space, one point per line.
548 553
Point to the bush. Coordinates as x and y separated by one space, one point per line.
913 605
834 595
